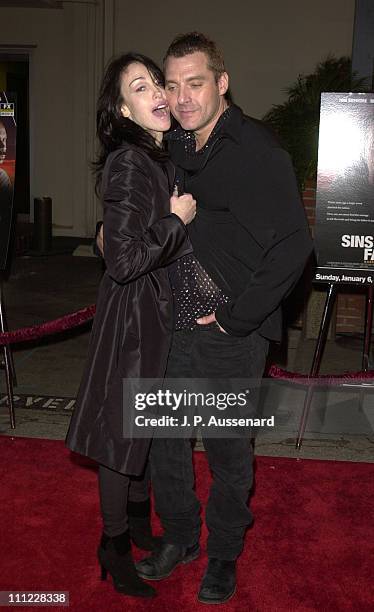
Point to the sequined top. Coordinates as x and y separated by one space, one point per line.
195 293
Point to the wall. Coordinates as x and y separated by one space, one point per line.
266 45
58 43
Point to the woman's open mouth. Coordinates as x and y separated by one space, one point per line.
161 110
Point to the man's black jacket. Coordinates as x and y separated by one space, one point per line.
250 233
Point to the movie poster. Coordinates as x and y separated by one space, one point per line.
8 132
344 231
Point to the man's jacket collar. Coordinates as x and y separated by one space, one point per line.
230 128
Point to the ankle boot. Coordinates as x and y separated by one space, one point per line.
139 516
115 557
219 582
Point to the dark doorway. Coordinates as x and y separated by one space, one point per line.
14 77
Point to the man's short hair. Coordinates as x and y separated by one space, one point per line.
192 42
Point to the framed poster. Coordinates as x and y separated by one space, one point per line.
8 133
344 230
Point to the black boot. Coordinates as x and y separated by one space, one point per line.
139 515
219 582
165 559
115 557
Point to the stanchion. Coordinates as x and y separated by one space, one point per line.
367 341
368 328
314 372
7 361
330 299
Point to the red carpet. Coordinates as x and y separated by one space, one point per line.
311 547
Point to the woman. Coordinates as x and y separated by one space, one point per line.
144 231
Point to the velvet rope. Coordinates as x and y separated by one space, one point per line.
51 327
321 379
82 316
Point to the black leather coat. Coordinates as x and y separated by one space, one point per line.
133 324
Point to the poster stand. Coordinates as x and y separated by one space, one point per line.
6 360
8 132
320 346
344 221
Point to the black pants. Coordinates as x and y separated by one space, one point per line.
115 490
207 352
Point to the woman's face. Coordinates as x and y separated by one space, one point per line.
144 101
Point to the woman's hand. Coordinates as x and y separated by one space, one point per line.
183 206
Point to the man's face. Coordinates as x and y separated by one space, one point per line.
195 98
3 138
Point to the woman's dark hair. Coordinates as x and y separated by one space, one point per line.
112 128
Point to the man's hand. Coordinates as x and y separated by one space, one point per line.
100 241
210 319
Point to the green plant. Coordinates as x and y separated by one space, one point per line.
296 121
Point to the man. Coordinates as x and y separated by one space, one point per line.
251 242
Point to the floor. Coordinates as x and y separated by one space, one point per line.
340 426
